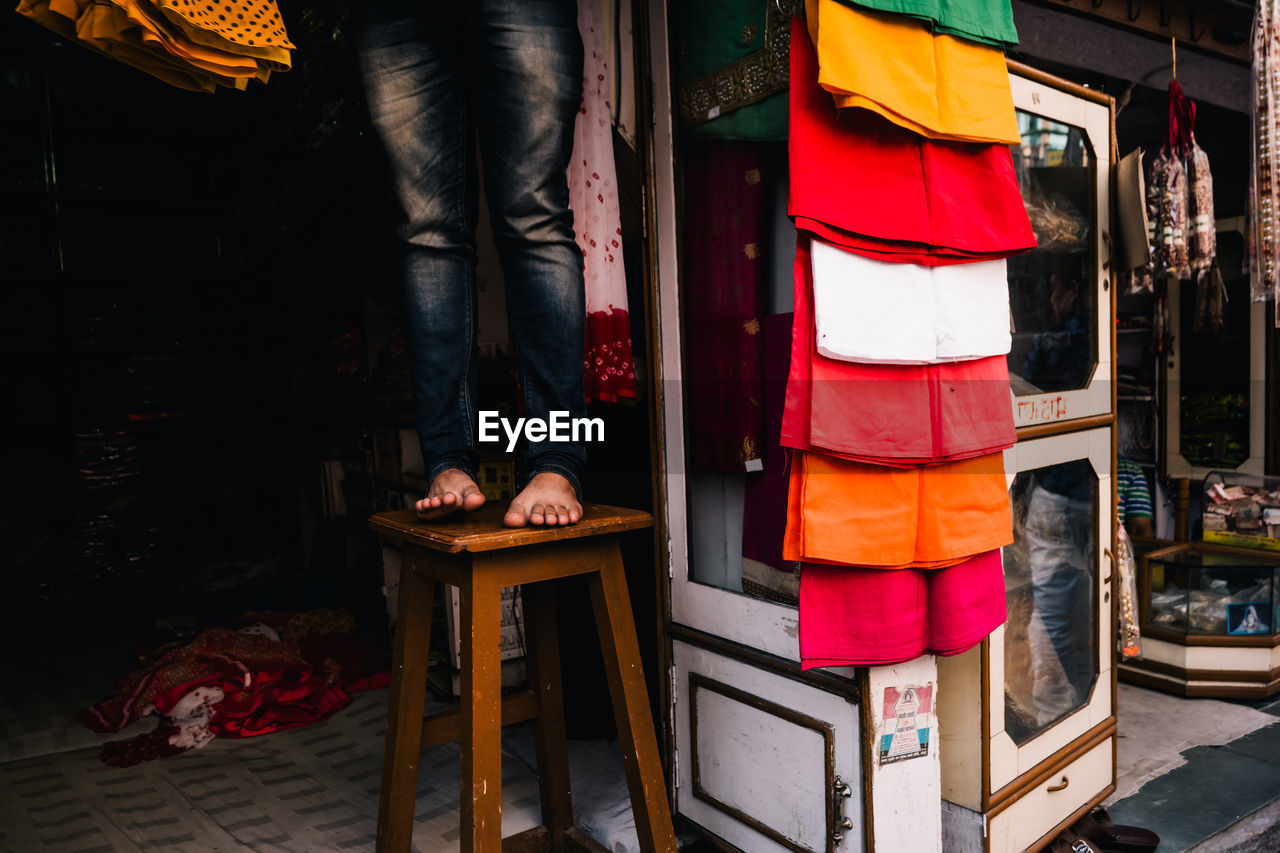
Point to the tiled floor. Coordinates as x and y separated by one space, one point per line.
1203 774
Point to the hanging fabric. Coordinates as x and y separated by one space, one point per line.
731 67
987 22
609 372
848 513
185 44
936 85
873 311
725 222
857 616
889 414
872 187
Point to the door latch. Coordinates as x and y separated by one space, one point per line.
840 791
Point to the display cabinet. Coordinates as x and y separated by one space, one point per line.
1060 364
1208 614
1027 720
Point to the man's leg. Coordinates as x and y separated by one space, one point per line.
526 93
412 58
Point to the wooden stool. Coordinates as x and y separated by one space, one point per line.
477 554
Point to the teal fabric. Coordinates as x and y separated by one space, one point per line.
709 35
984 21
765 121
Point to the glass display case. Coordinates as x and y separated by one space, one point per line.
1190 591
1209 621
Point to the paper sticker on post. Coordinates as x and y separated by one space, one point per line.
904 732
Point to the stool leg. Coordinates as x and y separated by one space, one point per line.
404 712
480 798
616 626
543 647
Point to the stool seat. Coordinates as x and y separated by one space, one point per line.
480 556
483 530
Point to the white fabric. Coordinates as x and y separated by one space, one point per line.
890 313
592 177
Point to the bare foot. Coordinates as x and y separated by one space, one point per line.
548 500
450 491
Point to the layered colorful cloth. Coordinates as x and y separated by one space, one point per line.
852 514
933 84
609 372
985 21
892 313
196 46
851 616
877 189
724 222
888 414
232 683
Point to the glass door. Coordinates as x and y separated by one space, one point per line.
1059 294
1051 662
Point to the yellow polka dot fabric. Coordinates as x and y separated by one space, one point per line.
191 44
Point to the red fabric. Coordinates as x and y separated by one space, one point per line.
884 186
724 228
853 616
764 516
889 414
268 686
900 253
609 373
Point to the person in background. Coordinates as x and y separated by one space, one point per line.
1133 499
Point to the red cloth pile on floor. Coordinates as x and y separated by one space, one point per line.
282 671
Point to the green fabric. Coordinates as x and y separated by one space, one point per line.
711 35
985 21
765 121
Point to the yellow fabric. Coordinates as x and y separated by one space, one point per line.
188 45
936 85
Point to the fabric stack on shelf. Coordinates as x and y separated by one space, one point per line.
897 400
192 45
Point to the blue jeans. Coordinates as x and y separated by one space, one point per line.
1059 533
509 72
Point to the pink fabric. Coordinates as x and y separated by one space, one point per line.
609 369
855 616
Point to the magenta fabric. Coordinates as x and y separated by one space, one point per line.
764 518
855 616
724 272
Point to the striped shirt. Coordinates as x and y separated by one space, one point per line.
1133 496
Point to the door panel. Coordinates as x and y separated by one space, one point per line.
1051 662
757 755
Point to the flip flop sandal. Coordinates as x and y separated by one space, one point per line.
1110 837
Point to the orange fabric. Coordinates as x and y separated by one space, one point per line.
936 85
178 41
866 515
